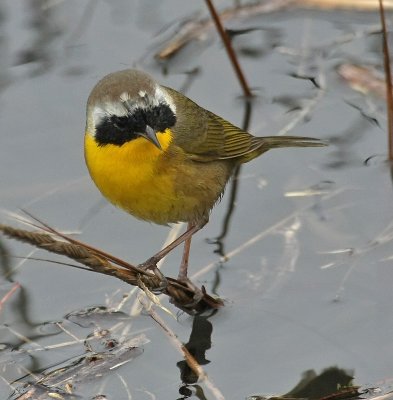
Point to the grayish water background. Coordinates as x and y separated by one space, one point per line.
285 313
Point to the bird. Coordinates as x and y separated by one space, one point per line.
161 157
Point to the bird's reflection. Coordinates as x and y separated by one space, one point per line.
198 344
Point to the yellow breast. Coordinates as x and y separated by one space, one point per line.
127 176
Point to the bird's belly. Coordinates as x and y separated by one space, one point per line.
163 194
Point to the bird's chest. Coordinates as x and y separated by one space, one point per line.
138 178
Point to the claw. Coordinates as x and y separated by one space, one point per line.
198 293
151 265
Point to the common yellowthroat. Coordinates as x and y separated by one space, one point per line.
161 157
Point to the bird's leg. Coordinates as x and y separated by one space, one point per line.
151 263
183 276
186 253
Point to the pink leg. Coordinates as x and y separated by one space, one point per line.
151 263
186 253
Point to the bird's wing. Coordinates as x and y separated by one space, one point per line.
223 140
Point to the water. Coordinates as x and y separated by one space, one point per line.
308 281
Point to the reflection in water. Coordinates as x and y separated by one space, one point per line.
379 159
86 37
255 42
191 75
343 154
198 344
219 240
3 51
45 29
317 193
5 261
98 316
28 375
15 323
332 383
78 377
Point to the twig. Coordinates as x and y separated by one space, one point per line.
181 295
363 5
228 46
7 296
197 29
388 78
194 29
45 227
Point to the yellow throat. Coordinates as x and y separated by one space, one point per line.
127 175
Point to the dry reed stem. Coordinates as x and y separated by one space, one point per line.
8 295
198 29
181 295
228 46
388 79
358 5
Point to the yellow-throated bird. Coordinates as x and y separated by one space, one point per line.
159 156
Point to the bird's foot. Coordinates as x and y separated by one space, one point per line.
151 265
198 292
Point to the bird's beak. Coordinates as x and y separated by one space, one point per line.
151 135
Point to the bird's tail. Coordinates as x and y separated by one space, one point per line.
262 144
272 142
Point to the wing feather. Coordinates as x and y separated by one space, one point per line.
220 140
223 141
